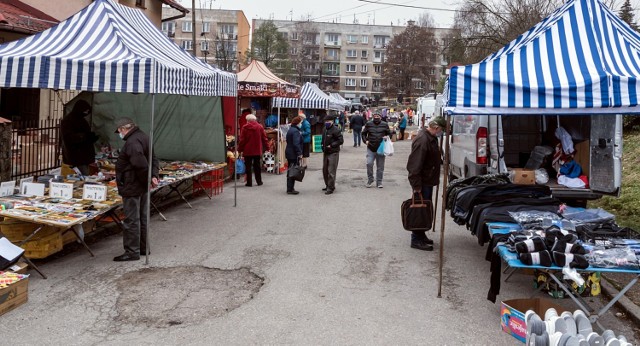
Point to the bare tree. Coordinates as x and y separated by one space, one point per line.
226 45
410 60
305 56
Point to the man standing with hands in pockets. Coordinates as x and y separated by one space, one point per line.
331 141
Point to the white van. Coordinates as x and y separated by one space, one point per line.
427 107
483 144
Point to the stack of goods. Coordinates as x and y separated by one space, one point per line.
171 172
567 329
14 290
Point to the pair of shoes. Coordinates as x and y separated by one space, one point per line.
379 186
354 145
249 185
260 184
127 257
328 192
293 192
324 188
421 245
428 241
369 184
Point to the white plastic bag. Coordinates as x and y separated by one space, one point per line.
388 147
542 177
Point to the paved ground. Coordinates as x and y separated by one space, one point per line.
278 269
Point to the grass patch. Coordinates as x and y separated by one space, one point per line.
626 208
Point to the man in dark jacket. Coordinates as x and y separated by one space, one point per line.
77 138
331 142
373 134
355 124
424 171
253 140
132 178
293 153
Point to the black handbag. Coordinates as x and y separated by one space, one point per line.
417 214
296 172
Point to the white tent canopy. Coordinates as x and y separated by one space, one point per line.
109 47
311 97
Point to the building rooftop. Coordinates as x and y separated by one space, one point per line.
174 4
19 17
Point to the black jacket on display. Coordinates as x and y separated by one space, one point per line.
373 134
332 140
132 168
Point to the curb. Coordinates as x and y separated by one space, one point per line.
625 304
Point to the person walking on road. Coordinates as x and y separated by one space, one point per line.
423 166
293 153
356 124
305 127
132 179
402 124
331 141
373 134
253 142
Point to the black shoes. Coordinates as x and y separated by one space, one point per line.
260 184
421 245
328 192
127 257
428 241
324 188
294 192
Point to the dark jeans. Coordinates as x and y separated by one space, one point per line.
134 236
329 169
290 181
402 133
427 193
357 137
253 164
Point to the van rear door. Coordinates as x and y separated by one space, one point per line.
606 154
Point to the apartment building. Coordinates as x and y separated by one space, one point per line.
222 36
345 58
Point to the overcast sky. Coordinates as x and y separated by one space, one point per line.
341 11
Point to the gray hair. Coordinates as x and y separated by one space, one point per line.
251 117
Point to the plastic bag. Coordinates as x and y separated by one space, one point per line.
388 148
240 167
622 257
381 148
542 177
534 219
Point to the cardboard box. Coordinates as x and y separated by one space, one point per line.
512 314
19 268
523 176
14 295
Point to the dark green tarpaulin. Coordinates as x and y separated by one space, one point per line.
187 128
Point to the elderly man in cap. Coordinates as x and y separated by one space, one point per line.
375 131
424 171
331 141
132 178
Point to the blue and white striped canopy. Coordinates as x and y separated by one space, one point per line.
110 48
582 59
337 102
311 97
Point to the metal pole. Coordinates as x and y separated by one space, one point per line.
193 26
235 151
150 168
442 209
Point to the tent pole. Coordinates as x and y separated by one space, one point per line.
279 147
442 207
149 177
235 151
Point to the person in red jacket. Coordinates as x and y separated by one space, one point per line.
253 140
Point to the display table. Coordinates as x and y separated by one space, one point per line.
555 272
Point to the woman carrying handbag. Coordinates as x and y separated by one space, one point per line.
293 153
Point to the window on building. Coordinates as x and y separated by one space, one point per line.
419 85
377 69
186 26
169 28
206 27
376 83
352 38
332 69
350 82
378 41
351 68
285 35
294 51
364 39
352 53
294 36
364 54
187 45
140 3
332 54
432 71
204 46
364 68
363 83
332 38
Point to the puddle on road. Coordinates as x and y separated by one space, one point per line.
164 297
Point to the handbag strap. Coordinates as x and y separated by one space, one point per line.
413 198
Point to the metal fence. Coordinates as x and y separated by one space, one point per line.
35 147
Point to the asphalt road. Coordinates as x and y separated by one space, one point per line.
310 269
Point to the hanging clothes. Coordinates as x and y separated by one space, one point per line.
565 139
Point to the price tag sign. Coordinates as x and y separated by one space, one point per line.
34 189
7 188
60 190
24 181
94 192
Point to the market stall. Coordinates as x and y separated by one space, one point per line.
566 65
108 47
